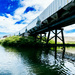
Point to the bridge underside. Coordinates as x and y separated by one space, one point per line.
55 25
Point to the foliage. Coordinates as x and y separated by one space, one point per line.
51 42
1 41
18 41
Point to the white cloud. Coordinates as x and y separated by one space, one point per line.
43 3
69 27
9 15
69 34
8 25
39 5
17 17
20 11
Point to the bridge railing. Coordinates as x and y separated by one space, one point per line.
32 24
22 30
17 33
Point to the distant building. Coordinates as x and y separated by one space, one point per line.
5 36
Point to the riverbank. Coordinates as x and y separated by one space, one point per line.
18 41
29 42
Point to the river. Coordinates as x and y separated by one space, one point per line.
20 61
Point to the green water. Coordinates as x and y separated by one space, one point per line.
19 61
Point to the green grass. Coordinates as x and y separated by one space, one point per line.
70 42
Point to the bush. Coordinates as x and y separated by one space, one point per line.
51 42
19 41
1 41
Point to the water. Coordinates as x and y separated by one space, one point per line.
33 62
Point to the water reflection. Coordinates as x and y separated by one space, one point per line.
64 67
11 63
19 61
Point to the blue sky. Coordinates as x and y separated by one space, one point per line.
16 14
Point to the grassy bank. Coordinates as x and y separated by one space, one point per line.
18 41
70 42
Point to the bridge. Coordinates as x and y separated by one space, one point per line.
59 14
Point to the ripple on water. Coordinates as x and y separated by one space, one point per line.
11 63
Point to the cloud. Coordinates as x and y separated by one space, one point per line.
43 3
70 34
69 31
28 5
67 28
8 24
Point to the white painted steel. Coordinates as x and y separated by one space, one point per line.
22 30
32 24
54 6
17 33
45 14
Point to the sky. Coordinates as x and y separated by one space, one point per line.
16 14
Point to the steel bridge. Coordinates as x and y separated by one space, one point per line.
59 14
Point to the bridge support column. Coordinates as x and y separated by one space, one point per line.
48 38
56 36
63 43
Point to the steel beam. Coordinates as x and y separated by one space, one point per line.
48 37
55 43
63 43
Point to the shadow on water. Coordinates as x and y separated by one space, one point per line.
42 62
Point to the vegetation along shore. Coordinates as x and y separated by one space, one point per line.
18 41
